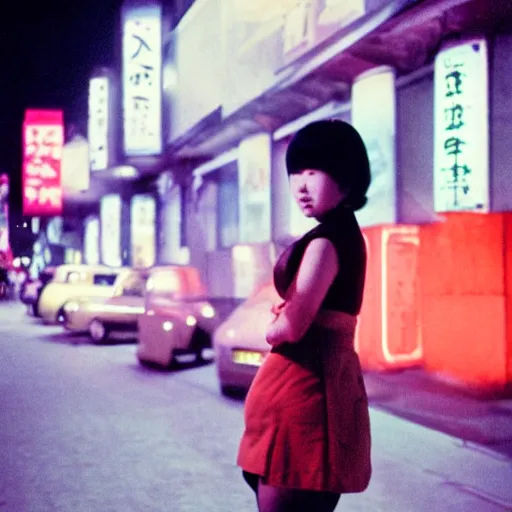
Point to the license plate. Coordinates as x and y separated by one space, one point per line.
248 357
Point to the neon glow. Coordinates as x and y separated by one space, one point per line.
409 241
43 140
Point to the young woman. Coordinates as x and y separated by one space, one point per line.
307 430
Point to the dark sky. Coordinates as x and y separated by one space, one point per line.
48 50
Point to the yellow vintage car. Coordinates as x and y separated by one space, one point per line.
178 318
71 281
101 316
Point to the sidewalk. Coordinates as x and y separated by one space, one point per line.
416 469
421 398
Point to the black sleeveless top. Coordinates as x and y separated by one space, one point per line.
341 228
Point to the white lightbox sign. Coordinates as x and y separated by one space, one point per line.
461 128
75 166
92 241
374 116
98 123
110 215
143 231
254 161
142 80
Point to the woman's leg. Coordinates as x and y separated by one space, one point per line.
278 499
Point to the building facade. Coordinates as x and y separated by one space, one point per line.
425 83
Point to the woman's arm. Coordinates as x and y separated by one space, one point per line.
316 273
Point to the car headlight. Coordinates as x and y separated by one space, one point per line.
167 326
191 321
207 311
71 307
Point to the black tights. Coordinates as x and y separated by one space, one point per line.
278 499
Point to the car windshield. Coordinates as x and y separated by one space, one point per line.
104 279
182 283
133 285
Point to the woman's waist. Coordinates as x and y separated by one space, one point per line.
338 321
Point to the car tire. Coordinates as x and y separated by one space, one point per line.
97 331
232 391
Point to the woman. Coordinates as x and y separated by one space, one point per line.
307 430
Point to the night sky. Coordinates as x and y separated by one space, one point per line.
48 50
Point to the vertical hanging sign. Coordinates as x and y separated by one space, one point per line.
254 160
461 127
99 123
43 140
142 79
110 219
374 115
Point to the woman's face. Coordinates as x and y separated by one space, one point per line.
315 192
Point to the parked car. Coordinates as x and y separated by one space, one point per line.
178 318
31 289
101 316
239 342
72 281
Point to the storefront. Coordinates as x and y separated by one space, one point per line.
425 100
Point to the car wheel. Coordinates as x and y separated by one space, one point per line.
232 391
97 331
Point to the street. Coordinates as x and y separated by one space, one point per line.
85 428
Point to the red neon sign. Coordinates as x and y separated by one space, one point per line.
43 139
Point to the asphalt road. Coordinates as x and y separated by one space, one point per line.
85 428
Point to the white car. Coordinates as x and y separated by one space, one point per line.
239 342
177 319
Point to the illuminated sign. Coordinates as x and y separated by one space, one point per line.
4 213
98 126
92 240
374 116
142 88
254 162
75 165
143 236
43 139
110 217
461 127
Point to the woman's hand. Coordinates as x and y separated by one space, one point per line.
277 308
316 273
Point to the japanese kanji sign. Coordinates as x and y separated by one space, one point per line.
254 201
461 152
43 139
98 126
142 88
